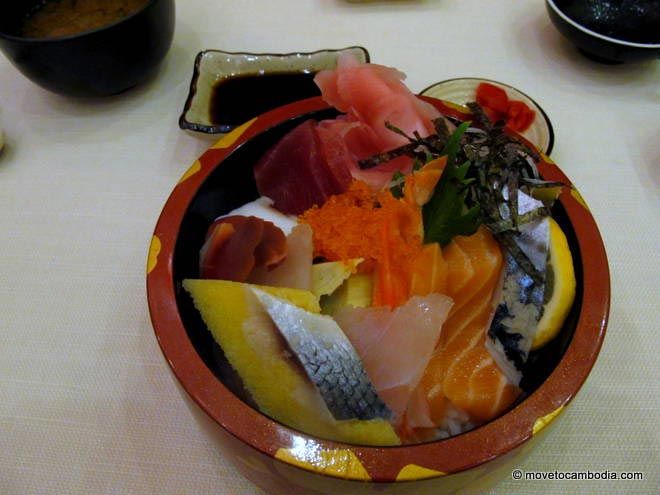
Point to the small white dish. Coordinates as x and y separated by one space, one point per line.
215 66
463 90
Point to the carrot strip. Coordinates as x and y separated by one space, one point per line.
387 232
419 185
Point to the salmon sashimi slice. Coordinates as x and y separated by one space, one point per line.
485 258
459 269
430 271
419 185
461 373
472 262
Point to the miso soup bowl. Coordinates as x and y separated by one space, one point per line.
609 49
100 62
282 460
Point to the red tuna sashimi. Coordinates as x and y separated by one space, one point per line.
350 141
371 95
395 346
295 173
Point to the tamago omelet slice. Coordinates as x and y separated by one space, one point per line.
256 350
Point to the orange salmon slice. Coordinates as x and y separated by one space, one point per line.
461 371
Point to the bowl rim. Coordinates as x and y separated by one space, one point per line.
580 27
4 34
266 435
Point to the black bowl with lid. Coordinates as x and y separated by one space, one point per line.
609 31
99 62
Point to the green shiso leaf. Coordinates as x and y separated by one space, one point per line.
453 143
446 214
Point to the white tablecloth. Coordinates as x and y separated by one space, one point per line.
88 404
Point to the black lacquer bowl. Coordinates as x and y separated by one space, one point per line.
608 31
99 62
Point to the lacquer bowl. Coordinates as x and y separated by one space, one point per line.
609 32
282 460
99 62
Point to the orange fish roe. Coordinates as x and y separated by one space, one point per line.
375 226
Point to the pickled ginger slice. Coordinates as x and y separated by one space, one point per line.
373 94
395 346
370 95
273 378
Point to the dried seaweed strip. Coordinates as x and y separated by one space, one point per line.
540 184
512 190
422 148
398 131
374 161
441 128
503 225
509 243
479 116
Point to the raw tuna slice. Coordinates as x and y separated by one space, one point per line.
295 173
349 141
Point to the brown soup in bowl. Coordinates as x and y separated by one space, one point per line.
57 18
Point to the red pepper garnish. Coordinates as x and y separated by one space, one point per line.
497 106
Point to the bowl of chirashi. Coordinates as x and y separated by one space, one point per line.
374 288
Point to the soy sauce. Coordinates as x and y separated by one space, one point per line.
237 99
56 18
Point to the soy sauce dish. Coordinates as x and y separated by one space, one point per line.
94 48
283 460
229 88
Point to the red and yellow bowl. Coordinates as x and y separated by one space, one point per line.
282 460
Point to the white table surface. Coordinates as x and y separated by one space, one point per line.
87 403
